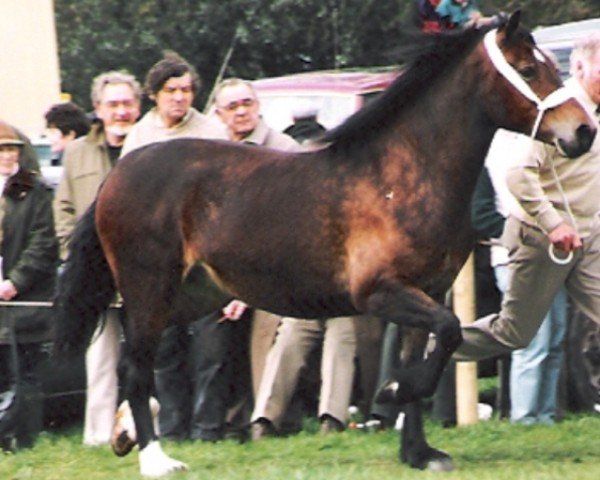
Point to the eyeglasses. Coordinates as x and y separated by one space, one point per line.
233 106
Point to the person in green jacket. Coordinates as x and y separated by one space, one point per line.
29 256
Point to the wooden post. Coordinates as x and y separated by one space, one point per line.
463 293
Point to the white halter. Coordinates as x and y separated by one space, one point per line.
555 98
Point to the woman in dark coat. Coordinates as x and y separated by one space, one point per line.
29 256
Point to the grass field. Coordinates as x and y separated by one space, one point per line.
491 450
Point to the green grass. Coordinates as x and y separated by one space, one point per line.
492 450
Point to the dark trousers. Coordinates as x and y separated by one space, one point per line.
222 379
389 363
173 382
30 414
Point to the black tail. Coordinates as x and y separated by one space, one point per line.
85 289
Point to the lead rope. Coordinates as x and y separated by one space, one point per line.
551 248
555 98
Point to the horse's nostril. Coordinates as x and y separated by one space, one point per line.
585 136
581 142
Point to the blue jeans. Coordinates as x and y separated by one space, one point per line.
535 369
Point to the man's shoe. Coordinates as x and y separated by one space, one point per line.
330 425
210 435
239 434
260 429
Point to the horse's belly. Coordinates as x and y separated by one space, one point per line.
316 307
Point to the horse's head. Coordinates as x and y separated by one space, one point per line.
531 98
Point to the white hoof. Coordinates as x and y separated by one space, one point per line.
156 463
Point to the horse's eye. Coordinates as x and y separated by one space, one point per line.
528 72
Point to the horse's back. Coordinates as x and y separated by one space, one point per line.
252 214
172 165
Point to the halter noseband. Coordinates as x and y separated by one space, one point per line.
557 97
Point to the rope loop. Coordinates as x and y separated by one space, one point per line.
559 260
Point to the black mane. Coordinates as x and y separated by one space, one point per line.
425 57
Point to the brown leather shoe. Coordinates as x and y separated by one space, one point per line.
330 424
260 429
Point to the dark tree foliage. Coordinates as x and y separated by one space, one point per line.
267 37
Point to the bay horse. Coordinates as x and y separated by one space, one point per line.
375 221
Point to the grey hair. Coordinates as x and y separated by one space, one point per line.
113 78
233 82
584 49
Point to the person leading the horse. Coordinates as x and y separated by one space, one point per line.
558 237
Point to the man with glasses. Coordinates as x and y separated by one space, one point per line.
87 160
238 108
224 380
274 377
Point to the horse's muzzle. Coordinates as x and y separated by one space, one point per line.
584 137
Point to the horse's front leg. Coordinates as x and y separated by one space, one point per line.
414 449
410 307
419 373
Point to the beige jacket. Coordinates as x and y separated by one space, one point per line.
86 163
531 180
151 129
268 137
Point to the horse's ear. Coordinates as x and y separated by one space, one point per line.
513 23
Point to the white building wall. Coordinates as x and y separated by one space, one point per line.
29 67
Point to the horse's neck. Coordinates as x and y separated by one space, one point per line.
453 129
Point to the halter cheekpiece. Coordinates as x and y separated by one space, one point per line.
557 97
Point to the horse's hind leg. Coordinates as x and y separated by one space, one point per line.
147 294
139 380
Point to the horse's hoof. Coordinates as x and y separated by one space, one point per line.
427 459
156 463
441 465
388 392
122 444
123 437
